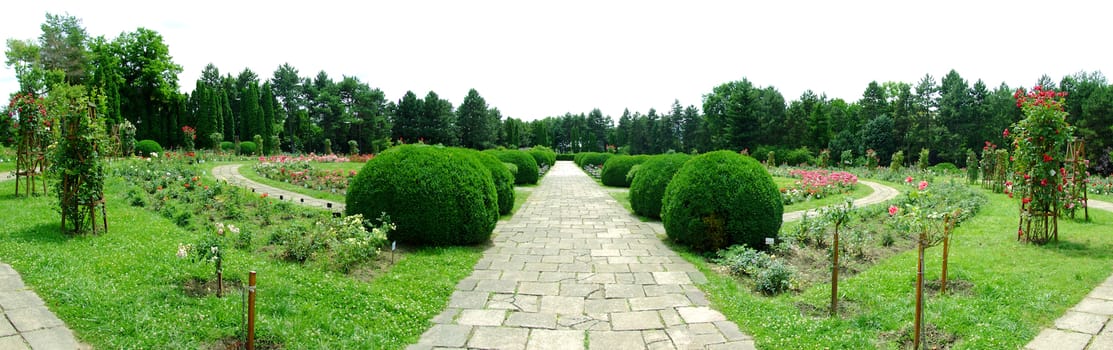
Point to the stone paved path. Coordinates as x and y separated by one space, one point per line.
25 322
231 174
574 270
7 175
1086 326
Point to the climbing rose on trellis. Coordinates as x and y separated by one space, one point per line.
1040 140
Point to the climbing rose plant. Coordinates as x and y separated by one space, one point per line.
1040 142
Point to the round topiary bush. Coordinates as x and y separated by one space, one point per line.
435 196
527 166
146 147
248 148
719 199
616 168
500 173
227 146
648 186
543 155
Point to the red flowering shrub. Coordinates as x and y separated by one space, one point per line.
1040 141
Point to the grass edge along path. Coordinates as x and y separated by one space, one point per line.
1018 289
123 289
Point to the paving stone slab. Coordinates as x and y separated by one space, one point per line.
481 317
505 338
1095 306
635 320
1081 322
13 342
532 320
611 340
1054 339
33 318
699 314
543 339
59 338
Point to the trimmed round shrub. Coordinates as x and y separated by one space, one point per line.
227 146
616 168
146 147
435 196
592 158
719 199
500 173
543 155
248 148
653 176
527 166
566 156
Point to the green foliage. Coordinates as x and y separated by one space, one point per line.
649 185
527 167
501 174
127 138
434 195
565 156
924 161
146 147
897 161
75 160
616 168
972 167
227 146
719 199
353 147
256 141
770 276
337 243
248 148
596 159
545 156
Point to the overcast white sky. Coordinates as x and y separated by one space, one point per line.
534 59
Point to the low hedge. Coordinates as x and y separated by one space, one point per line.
434 195
566 156
720 199
653 176
248 148
616 168
591 158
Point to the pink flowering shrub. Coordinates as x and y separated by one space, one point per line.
298 171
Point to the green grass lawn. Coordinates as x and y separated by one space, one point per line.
124 289
1017 289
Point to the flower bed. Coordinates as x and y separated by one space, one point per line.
298 171
816 184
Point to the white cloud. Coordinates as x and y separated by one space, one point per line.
534 59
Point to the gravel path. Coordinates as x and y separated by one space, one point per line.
881 193
231 174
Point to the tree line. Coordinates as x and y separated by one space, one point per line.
293 113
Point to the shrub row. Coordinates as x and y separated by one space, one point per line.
597 159
544 156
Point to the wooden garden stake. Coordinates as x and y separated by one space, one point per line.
835 272
251 311
948 226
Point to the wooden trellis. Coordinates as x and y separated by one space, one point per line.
30 163
71 184
1075 176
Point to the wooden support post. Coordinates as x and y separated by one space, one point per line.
835 273
917 326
